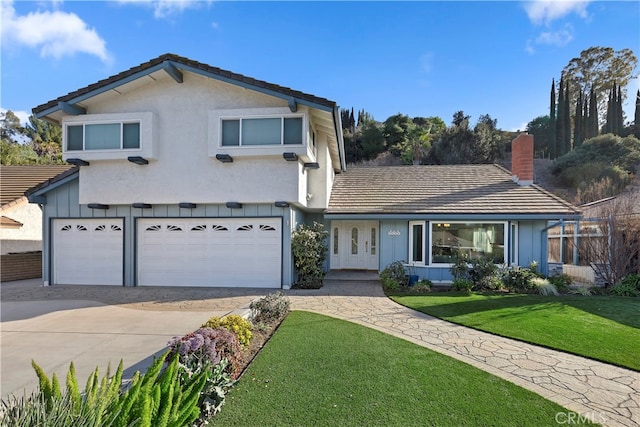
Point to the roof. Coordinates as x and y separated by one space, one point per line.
16 180
452 189
6 222
183 63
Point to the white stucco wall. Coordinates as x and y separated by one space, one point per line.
184 170
26 238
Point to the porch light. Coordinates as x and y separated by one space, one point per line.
187 205
281 204
141 205
78 162
312 165
97 206
224 158
138 160
290 157
234 205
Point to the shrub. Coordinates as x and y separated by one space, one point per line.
562 282
270 309
234 323
422 286
544 287
462 285
393 277
309 249
518 279
629 286
481 271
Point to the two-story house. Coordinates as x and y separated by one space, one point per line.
189 175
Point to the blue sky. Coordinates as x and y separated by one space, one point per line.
416 58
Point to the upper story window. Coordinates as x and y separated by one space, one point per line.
109 136
261 131
103 136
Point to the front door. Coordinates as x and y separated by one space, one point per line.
354 245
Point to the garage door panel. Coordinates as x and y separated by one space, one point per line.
87 251
229 252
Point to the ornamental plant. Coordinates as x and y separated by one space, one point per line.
309 249
234 323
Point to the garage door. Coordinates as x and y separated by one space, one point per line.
87 251
230 252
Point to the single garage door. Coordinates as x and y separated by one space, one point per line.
87 251
229 252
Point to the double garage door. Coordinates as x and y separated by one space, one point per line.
230 252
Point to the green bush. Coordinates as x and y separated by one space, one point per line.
518 279
234 323
422 286
270 309
309 249
606 149
462 285
562 282
629 286
394 277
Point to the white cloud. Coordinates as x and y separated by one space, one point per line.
167 8
547 11
556 38
55 33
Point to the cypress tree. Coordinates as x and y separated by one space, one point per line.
593 114
553 151
577 123
609 124
636 116
619 116
560 120
585 119
566 143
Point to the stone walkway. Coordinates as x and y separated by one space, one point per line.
603 393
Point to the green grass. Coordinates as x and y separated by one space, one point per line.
598 327
322 371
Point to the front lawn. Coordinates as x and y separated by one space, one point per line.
322 371
605 328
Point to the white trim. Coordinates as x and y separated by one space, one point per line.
147 123
424 244
214 143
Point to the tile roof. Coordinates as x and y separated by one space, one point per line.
6 222
213 71
455 189
16 180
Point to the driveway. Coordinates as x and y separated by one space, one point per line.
54 332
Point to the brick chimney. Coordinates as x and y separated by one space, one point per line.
522 159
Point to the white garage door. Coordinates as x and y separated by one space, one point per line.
87 251
229 252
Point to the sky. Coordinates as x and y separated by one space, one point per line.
419 58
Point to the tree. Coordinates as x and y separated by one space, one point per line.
553 144
10 126
46 139
415 147
540 129
578 125
609 240
371 140
598 68
396 131
459 144
560 121
636 117
593 115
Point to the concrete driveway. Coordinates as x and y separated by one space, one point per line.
54 332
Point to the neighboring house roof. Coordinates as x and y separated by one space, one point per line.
6 222
16 180
447 190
